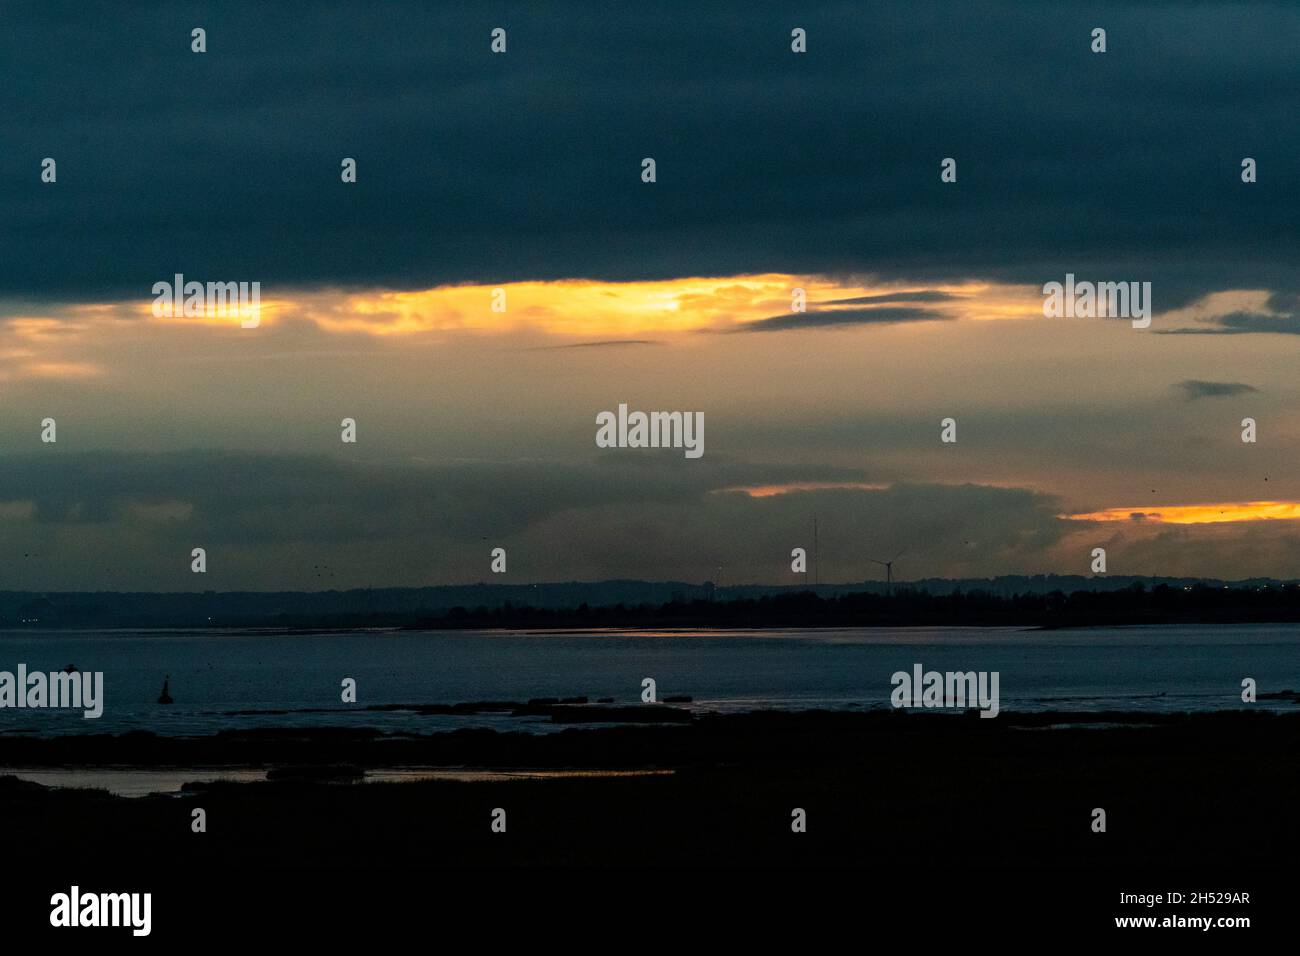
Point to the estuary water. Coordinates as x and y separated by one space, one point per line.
231 680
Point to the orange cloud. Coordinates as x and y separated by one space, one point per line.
579 307
570 307
1222 512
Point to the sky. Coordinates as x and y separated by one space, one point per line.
522 171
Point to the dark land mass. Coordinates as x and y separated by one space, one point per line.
953 794
906 607
1003 602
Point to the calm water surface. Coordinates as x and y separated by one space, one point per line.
216 673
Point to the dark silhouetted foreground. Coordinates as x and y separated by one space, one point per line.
880 789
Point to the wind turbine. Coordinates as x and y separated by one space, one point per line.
889 568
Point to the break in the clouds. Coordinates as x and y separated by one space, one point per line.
489 169
922 295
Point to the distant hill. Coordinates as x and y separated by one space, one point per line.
523 604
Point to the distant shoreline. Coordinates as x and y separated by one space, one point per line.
614 630
576 608
682 630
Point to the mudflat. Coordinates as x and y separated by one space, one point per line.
875 790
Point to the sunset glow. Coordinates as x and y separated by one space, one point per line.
581 307
1199 514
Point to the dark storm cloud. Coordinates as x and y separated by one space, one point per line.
928 295
104 520
243 494
1195 388
809 320
475 167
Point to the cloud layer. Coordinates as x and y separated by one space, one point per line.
474 167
